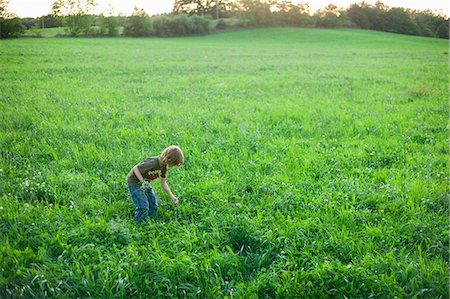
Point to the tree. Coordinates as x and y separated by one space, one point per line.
431 24
3 6
50 21
441 27
288 13
331 16
257 11
10 25
214 8
399 20
11 28
4 13
29 22
138 24
359 14
108 24
76 13
195 7
378 16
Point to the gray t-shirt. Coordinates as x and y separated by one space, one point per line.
147 166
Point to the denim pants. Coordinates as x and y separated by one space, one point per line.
145 202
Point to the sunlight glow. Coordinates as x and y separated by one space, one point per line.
37 8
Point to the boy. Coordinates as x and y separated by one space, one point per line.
149 169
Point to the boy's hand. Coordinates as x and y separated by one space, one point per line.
174 200
145 185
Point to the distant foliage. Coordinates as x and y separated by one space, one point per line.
75 15
197 25
140 24
3 8
78 24
162 26
331 17
231 23
268 13
10 25
192 17
108 26
11 28
197 7
258 12
398 20
288 13
48 21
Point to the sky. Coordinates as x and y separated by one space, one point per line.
37 8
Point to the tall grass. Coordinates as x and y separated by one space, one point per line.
316 165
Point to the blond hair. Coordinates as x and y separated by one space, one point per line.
172 156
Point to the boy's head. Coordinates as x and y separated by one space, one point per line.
172 156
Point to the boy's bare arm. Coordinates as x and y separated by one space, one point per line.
138 174
167 190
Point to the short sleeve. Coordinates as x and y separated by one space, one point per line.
145 166
163 171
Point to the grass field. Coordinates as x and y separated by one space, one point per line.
316 165
47 32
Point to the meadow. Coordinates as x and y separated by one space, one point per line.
316 165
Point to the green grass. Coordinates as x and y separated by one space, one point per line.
46 32
316 165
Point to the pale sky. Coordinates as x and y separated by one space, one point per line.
37 8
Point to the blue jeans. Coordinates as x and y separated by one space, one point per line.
145 202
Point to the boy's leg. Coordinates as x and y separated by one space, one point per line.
153 207
140 215
140 200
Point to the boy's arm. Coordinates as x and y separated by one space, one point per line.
167 190
138 174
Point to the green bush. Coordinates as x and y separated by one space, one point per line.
162 26
231 23
108 25
138 25
198 25
78 24
11 28
165 26
181 25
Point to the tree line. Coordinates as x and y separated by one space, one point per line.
189 17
